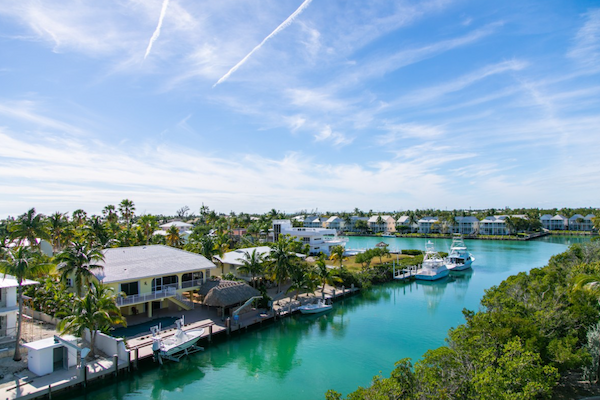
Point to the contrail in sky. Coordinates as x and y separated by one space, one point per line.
157 31
281 27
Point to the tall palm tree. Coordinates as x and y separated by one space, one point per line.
110 213
127 209
58 225
413 219
96 233
281 259
79 217
79 260
97 311
300 278
29 226
21 263
252 264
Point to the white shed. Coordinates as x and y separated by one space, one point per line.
47 355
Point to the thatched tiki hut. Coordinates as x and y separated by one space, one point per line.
226 294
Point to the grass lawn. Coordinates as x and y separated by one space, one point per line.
352 265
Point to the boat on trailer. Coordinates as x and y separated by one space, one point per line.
433 267
176 346
459 258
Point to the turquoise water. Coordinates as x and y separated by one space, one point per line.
303 356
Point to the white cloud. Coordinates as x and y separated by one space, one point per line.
586 49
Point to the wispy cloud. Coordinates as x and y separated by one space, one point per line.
281 27
587 42
410 130
337 138
156 33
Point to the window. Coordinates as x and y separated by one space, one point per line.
193 276
69 282
305 240
130 288
159 283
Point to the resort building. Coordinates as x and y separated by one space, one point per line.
546 221
466 225
382 223
318 239
313 221
580 223
152 278
403 221
9 306
493 225
428 224
335 222
559 223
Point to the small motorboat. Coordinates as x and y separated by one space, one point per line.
176 346
315 308
433 267
459 258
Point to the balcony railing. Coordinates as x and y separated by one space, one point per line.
167 291
192 283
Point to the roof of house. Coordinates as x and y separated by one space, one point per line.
178 224
545 217
8 281
384 218
333 218
131 263
236 257
403 219
575 217
226 293
428 219
559 217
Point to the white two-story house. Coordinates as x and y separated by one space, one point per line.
9 306
318 239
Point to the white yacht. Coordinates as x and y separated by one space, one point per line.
433 267
459 258
315 308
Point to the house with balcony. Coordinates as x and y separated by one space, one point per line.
428 224
403 223
232 260
494 225
559 223
319 240
313 221
382 223
353 227
334 222
151 278
468 225
9 306
546 221
580 223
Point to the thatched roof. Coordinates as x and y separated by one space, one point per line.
226 293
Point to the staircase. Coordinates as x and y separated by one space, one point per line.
181 301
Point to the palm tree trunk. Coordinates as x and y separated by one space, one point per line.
17 355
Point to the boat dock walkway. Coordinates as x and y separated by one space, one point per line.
30 386
406 273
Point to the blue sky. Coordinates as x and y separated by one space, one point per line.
298 105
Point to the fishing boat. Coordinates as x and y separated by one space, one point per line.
315 308
176 346
459 258
433 267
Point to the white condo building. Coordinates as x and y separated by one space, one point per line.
319 239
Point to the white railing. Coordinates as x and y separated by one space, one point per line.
168 291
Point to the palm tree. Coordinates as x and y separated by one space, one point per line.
59 226
97 311
301 278
281 259
173 237
127 208
110 213
79 217
79 260
413 219
325 275
96 233
252 264
337 253
29 226
21 263
379 222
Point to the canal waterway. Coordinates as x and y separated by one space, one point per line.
301 357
